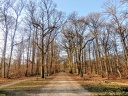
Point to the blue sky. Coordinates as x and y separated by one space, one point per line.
83 7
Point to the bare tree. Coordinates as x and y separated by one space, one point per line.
94 22
48 22
68 45
76 40
6 24
117 13
17 10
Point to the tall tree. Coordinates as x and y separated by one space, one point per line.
95 20
48 22
17 9
117 12
6 25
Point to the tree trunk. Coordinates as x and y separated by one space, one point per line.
4 49
51 60
47 64
105 64
42 69
33 54
28 54
124 44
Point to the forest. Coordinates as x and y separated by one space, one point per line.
37 39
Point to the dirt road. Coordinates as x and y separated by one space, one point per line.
61 85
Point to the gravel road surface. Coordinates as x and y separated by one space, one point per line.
61 85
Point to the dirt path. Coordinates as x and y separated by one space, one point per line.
61 85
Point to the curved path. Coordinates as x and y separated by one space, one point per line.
61 85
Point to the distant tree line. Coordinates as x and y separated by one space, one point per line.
30 30
98 43
35 33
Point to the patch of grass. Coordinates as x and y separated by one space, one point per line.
2 94
101 88
32 85
6 93
106 90
22 87
27 85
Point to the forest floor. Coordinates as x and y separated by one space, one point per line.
62 84
102 86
